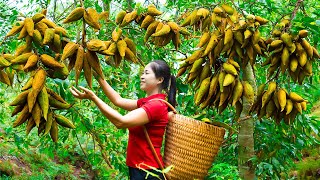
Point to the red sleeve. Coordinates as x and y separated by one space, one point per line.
154 109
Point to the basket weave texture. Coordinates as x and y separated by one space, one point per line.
190 146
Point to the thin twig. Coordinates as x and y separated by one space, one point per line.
85 154
93 134
4 39
294 12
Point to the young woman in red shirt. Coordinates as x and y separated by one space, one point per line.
153 114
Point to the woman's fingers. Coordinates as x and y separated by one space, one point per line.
84 89
76 90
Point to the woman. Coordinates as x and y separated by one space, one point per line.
146 111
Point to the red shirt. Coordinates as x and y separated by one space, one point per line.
138 150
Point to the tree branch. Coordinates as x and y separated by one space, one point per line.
294 12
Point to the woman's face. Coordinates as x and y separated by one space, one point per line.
148 80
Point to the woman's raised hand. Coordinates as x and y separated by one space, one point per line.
86 94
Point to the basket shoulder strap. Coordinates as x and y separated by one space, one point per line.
168 104
154 151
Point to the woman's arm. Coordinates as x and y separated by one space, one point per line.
136 117
115 98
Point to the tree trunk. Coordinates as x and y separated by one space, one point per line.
246 129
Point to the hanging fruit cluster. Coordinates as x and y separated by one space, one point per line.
36 103
6 71
86 57
224 87
225 35
277 103
118 48
291 53
161 32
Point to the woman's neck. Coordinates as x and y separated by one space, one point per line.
155 91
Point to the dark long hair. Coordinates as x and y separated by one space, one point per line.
162 69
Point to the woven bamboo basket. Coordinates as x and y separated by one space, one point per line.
190 146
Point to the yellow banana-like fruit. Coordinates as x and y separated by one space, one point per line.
147 21
150 30
295 97
293 64
4 62
228 36
195 55
57 104
204 39
304 105
43 100
41 27
261 20
75 15
48 36
303 33
23 33
21 59
308 48
30 125
287 39
229 68
197 65
203 90
37 37
50 61
153 11
23 117
69 50
120 16
37 17
63 121
131 45
203 13
91 17
163 31
228 9
302 59
248 91
54 131
36 113
174 27
87 70
129 17
31 62
289 106
121 46
94 63
285 56
15 29
28 84
48 123
237 92
60 31
229 79
29 25
270 109
49 23
129 55
282 99
221 77
297 106
96 45
79 63
276 43
213 42
116 34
